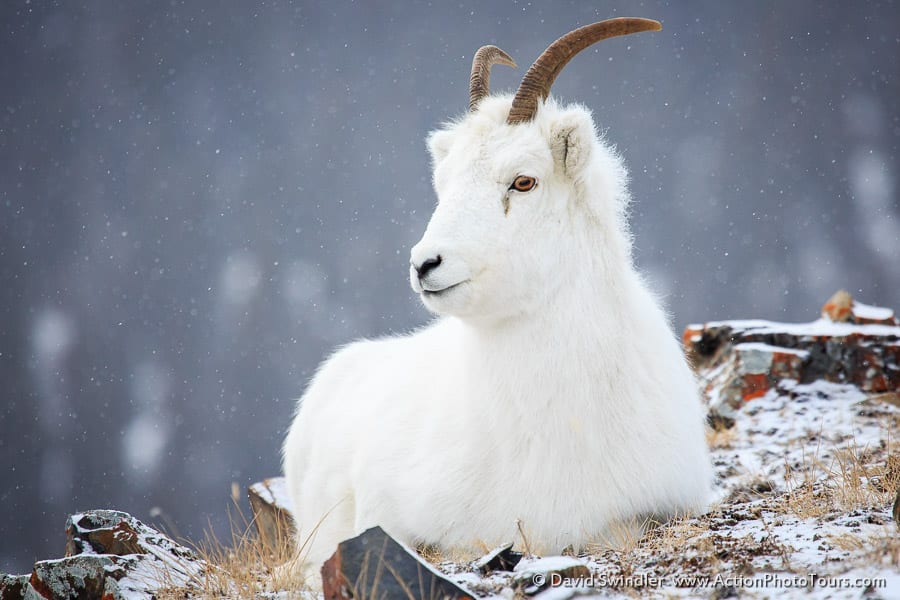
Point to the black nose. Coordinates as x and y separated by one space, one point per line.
428 266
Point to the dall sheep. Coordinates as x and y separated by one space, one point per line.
550 399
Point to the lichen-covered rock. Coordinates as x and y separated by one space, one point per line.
17 587
748 371
738 361
109 555
162 560
83 576
115 532
103 532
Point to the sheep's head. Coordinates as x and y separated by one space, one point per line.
515 179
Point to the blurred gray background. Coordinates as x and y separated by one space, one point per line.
198 200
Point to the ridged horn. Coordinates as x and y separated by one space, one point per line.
535 86
480 81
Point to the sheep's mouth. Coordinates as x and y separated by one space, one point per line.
435 293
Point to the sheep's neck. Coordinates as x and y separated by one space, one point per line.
564 354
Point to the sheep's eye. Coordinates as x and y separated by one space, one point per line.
523 183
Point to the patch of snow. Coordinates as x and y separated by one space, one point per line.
279 493
761 347
819 327
529 566
876 313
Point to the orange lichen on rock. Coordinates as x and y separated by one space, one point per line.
755 386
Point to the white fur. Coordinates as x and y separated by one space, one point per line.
551 391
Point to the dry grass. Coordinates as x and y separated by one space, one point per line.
437 555
853 478
883 549
245 566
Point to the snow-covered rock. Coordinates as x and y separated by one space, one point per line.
272 513
738 361
842 308
109 555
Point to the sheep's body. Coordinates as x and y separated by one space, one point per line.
552 393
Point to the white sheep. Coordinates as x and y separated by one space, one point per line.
551 399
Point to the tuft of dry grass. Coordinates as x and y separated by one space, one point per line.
437 555
246 566
854 478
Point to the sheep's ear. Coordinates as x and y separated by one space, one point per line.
572 137
439 144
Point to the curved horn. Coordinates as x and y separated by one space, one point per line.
479 82
536 84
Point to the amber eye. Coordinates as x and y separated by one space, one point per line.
523 183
